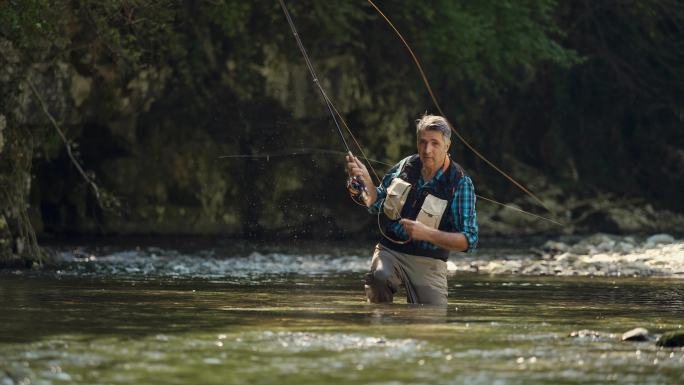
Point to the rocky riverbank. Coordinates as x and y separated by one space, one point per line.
596 255
599 255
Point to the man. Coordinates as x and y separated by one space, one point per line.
427 206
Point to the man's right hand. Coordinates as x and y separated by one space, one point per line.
357 169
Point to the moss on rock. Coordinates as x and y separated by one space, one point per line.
671 339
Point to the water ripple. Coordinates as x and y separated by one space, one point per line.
171 263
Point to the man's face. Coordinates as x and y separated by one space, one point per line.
432 148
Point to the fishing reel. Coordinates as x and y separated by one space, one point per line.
356 188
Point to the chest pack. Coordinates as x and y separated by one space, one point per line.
428 205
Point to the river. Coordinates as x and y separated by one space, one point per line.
297 315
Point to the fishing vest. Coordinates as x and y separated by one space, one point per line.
424 206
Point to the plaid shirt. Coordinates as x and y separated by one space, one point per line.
462 207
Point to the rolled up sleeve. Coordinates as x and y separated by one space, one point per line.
464 212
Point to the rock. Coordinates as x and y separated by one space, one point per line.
628 219
5 238
510 214
554 247
80 88
581 249
659 239
624 247
606 246
585 333
567 258
671 339
637 334
598 239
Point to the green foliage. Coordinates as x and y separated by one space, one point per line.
29 23
231 16
544 82
489 45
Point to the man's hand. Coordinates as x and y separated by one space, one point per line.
416 230
420 232
357 169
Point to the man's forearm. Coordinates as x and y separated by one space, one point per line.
447 240
370 196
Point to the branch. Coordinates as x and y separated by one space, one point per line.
85 176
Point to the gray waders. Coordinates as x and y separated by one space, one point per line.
425 279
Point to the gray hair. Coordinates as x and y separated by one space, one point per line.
434 123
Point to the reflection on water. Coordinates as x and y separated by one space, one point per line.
124 318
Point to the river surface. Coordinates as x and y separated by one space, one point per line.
136 315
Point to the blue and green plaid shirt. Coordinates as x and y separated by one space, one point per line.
462 207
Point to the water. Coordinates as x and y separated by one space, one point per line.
159 316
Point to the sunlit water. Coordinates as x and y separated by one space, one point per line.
158 316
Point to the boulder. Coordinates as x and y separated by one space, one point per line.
598 239
671 339
624 247
510 214
581 249
659 239
586 333
637 334
554 247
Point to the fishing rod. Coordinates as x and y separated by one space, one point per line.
310 66
355 183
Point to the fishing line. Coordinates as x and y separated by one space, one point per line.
477 195
297 152
458 134
310 66
335 115
323 151
354 183
363 153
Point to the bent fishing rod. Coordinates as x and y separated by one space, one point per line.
354 182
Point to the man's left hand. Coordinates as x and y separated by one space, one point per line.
416 230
